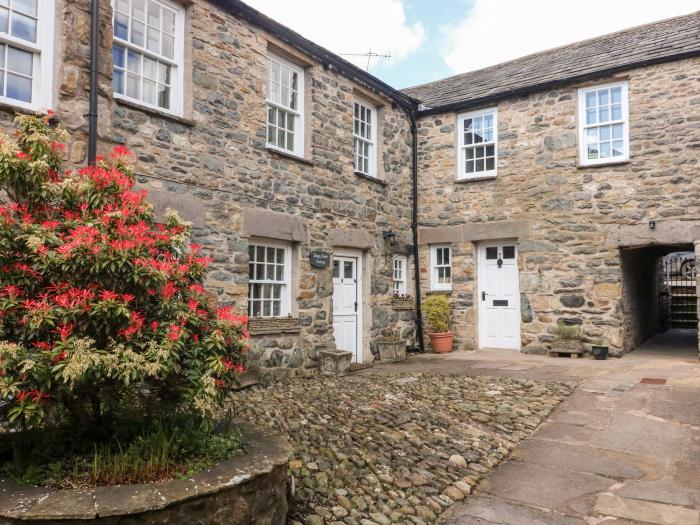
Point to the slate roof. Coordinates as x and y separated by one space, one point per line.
662 41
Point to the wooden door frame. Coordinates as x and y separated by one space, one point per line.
480 268
357 255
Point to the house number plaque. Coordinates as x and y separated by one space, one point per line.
319 259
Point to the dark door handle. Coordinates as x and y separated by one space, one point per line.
483 296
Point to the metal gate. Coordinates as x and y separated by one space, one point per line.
678 302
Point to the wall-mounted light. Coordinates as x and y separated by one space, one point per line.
389 236
652 225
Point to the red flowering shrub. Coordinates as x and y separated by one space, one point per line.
102 310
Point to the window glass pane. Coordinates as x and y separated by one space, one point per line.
590 116
479 165
509 252
492 253
133 61
603 114
138 10
150 68
617 112
118 56
168 21
19 61
490 151
490 164
153 14
448 274
168 46
469 167
446 255
469 153
616 95
149 91
163 96
438 256
617 148
603 97
121 26
122 5
604 149
19 88
276 307
163 73
605 133
590 99
118 81
336 269
153 41
348 270
137 32
24 27
133 86
4 20
592 151
28 7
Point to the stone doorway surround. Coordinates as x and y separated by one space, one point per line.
659 233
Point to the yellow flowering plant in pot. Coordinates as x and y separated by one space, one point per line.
438 314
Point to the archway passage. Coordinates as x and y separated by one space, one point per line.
659 297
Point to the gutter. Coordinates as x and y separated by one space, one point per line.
92 113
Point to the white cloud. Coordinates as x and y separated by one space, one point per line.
349 27
494 31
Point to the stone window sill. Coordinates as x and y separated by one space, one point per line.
279 154
161 114
475 179
273 325
371 178
439 292
601 165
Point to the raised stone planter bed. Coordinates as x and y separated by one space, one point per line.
250 488
335 362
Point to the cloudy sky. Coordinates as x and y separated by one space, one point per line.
431 39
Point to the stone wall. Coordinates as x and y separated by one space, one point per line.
250 488
213 165
570 221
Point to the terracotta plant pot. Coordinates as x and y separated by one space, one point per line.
441 342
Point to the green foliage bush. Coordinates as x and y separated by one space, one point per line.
438 312
567 332
102 309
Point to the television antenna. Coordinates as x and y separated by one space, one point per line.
370 55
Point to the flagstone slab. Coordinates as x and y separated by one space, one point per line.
645 511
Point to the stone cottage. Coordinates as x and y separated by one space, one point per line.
555 182
525 191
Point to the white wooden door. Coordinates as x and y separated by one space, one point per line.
499 295
346 305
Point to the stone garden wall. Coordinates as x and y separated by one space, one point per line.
250 488
570 221
213 165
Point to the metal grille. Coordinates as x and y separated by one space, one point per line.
678 299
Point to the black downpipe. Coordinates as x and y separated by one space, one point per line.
92 113
414 227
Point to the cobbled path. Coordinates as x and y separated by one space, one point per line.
392 448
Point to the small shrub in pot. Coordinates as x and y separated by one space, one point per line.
438 314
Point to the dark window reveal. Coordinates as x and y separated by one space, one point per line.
509 252
492 253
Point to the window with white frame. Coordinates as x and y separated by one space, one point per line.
441 267
399 274
285 106
364 132
147 53
603 124
478 144
269 280
26 48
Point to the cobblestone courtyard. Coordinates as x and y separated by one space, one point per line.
400 449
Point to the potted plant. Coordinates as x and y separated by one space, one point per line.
599 349
567 339
438 313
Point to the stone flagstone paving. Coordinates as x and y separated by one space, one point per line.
397 450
